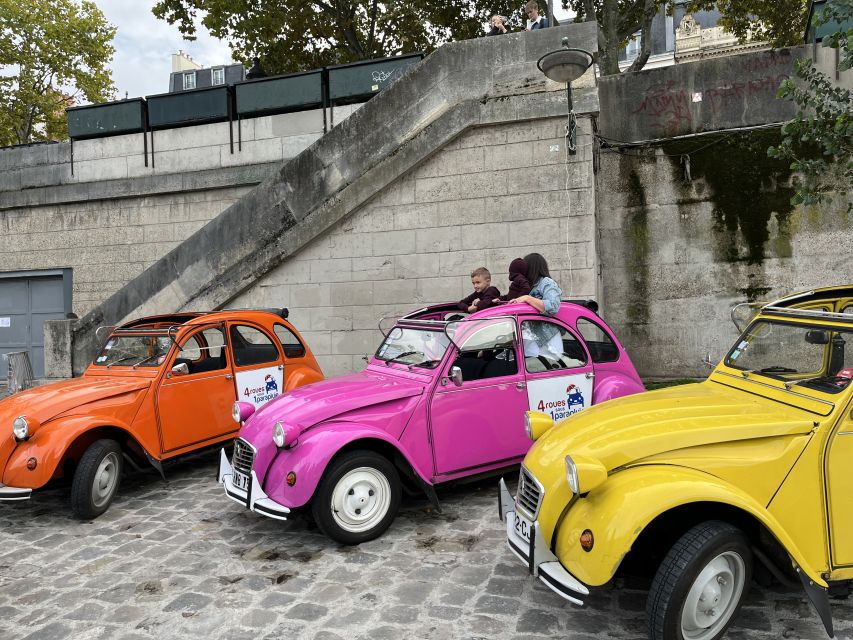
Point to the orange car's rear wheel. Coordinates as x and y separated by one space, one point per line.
96 479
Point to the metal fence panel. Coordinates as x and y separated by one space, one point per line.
109 119
280 93
19 370
361 80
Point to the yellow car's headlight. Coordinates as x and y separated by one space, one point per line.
584 474
536 423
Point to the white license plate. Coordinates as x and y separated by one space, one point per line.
240 480
522 527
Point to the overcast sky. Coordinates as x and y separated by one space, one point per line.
144 47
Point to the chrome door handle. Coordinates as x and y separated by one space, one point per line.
589 375
228 376
520 385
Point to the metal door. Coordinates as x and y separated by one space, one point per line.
25 304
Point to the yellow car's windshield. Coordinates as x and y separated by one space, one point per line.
806 355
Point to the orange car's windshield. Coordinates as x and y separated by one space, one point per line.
134 350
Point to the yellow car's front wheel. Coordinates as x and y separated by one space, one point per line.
700 584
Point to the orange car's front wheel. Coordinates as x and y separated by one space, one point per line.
96 479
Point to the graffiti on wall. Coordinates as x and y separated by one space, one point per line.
668 108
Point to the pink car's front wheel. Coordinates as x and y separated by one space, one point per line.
357 498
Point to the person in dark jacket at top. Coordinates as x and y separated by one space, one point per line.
483 294
498 26
519 285
545 296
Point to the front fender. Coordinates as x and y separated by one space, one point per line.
301 376
616 385
311 455
49 446
620 509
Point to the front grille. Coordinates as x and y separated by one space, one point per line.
244 456
529 496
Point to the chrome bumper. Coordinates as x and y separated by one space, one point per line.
13 494
536 554
254 499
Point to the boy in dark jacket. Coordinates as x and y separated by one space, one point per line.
519 285
483 294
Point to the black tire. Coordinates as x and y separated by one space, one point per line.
96 479
357 498
677 613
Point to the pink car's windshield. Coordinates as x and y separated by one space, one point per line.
418 347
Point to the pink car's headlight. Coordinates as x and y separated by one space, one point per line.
283 436
242 411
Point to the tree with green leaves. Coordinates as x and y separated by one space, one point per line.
52 52
819 140
291 35
618 21
780 22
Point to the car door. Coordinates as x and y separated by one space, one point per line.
195 398
557 367
258 364
480 421
839 489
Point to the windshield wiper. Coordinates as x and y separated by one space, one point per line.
777 369
829 380
136 364
402 355
128 357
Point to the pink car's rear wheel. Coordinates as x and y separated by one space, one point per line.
357 498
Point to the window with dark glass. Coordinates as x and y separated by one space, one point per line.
290 344
598 341
251 346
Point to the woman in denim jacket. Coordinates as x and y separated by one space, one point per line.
546 294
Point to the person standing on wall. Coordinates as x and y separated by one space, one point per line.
534 20
498 26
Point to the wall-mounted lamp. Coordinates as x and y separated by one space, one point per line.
566 65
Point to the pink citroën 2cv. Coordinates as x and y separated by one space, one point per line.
440 400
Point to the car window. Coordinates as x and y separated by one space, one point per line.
290 344
548 346
486 349
203 352
805 356
600 344
251 346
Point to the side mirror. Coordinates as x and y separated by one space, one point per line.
181 369
708 361
456 376
817 336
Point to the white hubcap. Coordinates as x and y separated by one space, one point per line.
713 597
106 478
361 499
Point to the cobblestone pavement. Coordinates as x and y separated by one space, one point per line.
179 560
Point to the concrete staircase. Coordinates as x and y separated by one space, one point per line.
460 86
